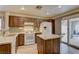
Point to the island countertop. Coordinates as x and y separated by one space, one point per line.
48 37
9 39
48 44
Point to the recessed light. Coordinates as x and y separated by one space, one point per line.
59 6
47 13
22 8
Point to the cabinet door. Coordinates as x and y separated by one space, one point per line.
15 21
20 21
5 49
40 45
56 46
11 21
20 40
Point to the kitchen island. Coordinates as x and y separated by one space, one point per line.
48 44
8 44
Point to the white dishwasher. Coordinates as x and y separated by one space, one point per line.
29 38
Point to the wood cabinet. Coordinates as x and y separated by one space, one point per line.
50 46
11 21
32 20
16 21
20 40
5 48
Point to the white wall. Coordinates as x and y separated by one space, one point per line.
2 14
6 20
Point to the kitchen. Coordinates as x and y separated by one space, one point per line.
23 30
20 29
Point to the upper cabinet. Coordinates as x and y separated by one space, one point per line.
18 21
15 21
34 21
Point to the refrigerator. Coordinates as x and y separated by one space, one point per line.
46 28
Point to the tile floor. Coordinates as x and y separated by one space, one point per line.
32 49
65 49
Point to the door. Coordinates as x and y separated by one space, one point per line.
64 31
74 31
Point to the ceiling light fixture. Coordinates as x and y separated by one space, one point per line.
22 8
38 7
59 6
47 13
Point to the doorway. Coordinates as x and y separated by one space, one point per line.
64 31
70 32
74 32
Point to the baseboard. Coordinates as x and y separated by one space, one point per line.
71 45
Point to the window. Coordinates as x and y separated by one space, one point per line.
1 23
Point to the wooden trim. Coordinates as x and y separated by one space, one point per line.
27 15
68 13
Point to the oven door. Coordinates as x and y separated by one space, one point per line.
29 38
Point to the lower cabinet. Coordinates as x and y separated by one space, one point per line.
20 40
36 37
5 48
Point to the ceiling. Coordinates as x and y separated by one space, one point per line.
45 11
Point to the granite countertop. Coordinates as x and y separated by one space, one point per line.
23 32
9 38
20 30
48 37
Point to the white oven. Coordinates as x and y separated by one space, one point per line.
29 38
